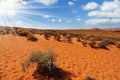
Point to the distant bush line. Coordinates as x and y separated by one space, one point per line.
94 41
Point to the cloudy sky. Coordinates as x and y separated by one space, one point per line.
60 14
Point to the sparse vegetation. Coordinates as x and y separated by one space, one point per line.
46 36
27 34
68 38
97 38
84 43
23 32
78 39
31 37
92 44
46 66
82 36
104 44
57 37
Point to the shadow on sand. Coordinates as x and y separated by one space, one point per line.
55 74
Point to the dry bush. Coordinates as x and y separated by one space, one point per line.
108 41
46 68
46 36
3 32
104 44
44 59
28 34
25 65
79 39
57 37
97 38
23 32
68 38
63 33
92 44
84 43
89 37
31 37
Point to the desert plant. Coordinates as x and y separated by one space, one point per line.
23 32
63 33
88 37
57 37
104 43
84 43
46 36
25 65
31 37
92 44
68 38
46 68
97 38
45 60
78 39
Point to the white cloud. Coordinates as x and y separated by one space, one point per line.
108 13
59 20
24 2
102 21
110 6
78 19
47 2
90 6
70 3
46 16
53 20
105 14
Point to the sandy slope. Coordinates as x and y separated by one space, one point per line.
80 61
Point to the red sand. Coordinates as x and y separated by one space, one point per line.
80 61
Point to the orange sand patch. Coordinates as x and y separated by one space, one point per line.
80 61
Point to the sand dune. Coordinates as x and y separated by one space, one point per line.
80 61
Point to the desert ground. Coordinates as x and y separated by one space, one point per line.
80 61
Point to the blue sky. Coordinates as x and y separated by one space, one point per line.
60 14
